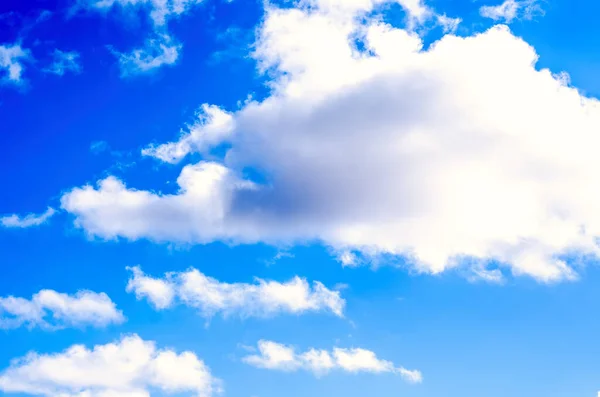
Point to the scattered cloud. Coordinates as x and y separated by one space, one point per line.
63 62
157 52
129 367
30 220
348 259
278 256
464 150
159 11
52 310
275 356
510 10
160 49
11 63
98 147
211 297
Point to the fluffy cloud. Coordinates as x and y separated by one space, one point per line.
30 220
510 10
130 367
463 155
213 126
210 296
63 62
53 310
11 63
280 357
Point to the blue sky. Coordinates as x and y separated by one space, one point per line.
324 197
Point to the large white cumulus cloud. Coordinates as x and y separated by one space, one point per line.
462 150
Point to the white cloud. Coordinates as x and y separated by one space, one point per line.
157 52
213 127
347 258
53 310
461 151
160 292
30 220
275 356
11 63
63 62
510 10
210 296
448 24
130 367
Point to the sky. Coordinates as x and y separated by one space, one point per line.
299 198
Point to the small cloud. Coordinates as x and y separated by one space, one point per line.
210 297
44 16
278 357
448 24
510 10
51 310
11 66
278 256
98 147
157 52
348 259
64 62
481 274
30 220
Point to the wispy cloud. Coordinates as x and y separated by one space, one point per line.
159 51
12 57
63 62
30 220
211 296
49 309
279 357
510 10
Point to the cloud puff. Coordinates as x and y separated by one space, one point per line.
280 357
49 309
11 63
510 10
130 367
463 155
214 125
210 296
30 220
63 62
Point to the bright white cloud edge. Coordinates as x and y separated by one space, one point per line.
275 356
